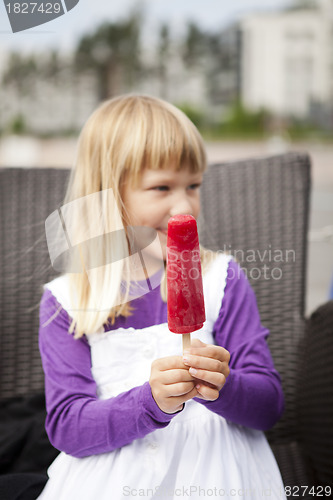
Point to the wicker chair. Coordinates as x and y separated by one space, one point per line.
256 209
315 394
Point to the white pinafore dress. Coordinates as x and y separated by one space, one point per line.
199 454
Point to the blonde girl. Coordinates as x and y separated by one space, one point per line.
132 415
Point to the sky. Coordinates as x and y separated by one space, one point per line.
62 33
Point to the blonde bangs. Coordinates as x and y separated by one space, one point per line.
173 141
145 132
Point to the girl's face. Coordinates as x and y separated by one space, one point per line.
160 195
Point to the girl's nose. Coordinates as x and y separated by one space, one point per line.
181 206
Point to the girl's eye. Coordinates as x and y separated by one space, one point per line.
191 187
161 188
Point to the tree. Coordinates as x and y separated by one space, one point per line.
20 73
113 53
304 4
223 70
18 82
53 65
195 45
163 59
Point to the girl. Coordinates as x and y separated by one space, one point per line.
131 414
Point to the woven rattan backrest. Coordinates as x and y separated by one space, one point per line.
27 197
316 395
258 210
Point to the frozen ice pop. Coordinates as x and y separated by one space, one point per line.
186 308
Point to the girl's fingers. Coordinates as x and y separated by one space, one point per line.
178 400
171 383
201 373
207 393
175 403
175 376
216 379
204 363
180 389
209 351
168 363
208 364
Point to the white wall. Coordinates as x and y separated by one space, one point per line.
286 60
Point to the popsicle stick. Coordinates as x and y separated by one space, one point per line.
186 341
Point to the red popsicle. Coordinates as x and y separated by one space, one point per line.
186 308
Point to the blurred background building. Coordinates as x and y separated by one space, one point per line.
268 69
287 62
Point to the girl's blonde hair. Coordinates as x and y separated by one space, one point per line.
122 137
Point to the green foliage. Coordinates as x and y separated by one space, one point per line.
237 123
304 129
20 72
17 126
245 123
194 114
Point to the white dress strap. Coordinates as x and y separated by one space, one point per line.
214 283
59 287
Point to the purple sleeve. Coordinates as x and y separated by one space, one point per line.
252 395
77 421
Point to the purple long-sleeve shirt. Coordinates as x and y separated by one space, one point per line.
81 424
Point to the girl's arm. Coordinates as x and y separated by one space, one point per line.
252 394
77 421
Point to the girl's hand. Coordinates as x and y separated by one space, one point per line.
209 364
171 383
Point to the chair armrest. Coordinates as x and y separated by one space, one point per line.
315 394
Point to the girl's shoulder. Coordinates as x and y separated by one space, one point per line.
54 306
59 288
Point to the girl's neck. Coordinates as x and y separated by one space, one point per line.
145 268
